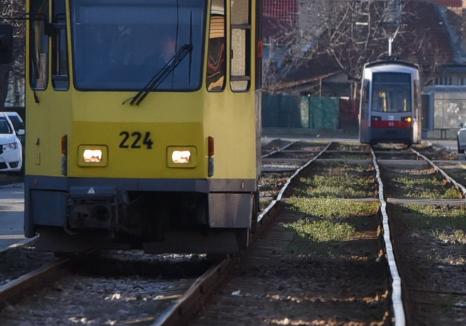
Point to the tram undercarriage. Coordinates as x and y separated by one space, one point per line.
89 217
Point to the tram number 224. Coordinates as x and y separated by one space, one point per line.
136 140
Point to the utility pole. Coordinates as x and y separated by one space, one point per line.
392 22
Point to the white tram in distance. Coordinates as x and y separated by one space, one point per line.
390 106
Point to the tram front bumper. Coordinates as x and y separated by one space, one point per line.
391 134
82 203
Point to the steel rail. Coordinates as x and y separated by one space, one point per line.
441 171
397 301
279 150
187 306
285 186
19 244
29 280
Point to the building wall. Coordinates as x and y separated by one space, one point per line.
452 3
278 15
446 107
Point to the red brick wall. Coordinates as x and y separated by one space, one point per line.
450 3
278 15
283 10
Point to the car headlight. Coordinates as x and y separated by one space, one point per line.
10 146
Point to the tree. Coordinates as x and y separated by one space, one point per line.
353 32
12 76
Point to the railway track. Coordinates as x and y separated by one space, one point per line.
183 303
277 281
425 208
318 263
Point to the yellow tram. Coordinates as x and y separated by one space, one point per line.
142 124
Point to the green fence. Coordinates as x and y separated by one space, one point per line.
287 111
324 112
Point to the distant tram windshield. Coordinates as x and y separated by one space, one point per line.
391 92
121 44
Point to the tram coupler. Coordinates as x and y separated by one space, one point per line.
93 208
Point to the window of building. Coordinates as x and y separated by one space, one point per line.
39 44
240 45
60 77
216 59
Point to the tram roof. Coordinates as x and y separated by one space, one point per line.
392 62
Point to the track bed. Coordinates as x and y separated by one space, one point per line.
430 244
319 261
127 288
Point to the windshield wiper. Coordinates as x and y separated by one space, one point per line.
161 75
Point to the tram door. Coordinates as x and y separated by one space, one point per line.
364 112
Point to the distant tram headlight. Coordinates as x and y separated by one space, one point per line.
92 156
181 157
408 119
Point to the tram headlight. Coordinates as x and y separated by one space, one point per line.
181 157
407 119
92 155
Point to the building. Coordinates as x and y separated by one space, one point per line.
444 102
278 16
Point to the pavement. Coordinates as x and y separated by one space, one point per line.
11 215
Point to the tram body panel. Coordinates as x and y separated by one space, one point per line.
137 144
390 107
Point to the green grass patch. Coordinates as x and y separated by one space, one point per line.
323 226
332 208
337 181
425 187
445 224
322 230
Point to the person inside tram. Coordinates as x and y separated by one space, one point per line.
216 64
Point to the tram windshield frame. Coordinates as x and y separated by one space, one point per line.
119 44
391 92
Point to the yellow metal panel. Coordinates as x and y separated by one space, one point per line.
173 119
137 162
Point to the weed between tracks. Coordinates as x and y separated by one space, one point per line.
326 218
447 225
332 208
338 181
325 226
420 184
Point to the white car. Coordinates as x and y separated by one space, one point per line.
10 146
18 125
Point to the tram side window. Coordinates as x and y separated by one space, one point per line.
216 59
39 44
240 45
60 77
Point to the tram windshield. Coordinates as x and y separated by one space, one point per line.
391 92
121 44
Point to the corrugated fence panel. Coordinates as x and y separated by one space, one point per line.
324 112
287 111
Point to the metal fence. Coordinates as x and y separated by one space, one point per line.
311 112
